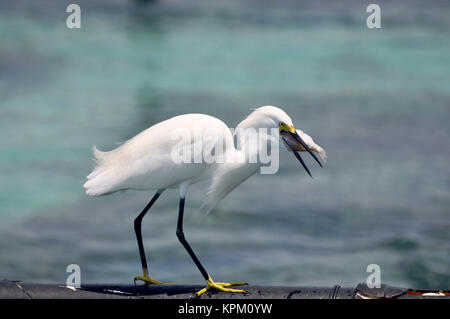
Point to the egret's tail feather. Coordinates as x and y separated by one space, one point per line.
103 180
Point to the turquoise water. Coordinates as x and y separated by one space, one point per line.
377 100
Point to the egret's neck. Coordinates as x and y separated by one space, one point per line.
254 139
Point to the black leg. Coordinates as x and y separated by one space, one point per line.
137 229
183 241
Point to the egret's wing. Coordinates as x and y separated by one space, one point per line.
146 161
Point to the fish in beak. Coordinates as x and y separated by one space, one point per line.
296 144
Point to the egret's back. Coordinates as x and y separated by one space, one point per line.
146 160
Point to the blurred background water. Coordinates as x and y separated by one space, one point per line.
377 100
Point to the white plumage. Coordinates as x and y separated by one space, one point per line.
145 161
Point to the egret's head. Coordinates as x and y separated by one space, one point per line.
271 117
295 140
267 117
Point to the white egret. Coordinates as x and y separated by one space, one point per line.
146 162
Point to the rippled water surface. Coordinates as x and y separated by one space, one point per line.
377 100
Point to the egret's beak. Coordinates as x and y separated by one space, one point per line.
295 143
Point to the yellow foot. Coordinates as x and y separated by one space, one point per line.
150 281
221 286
